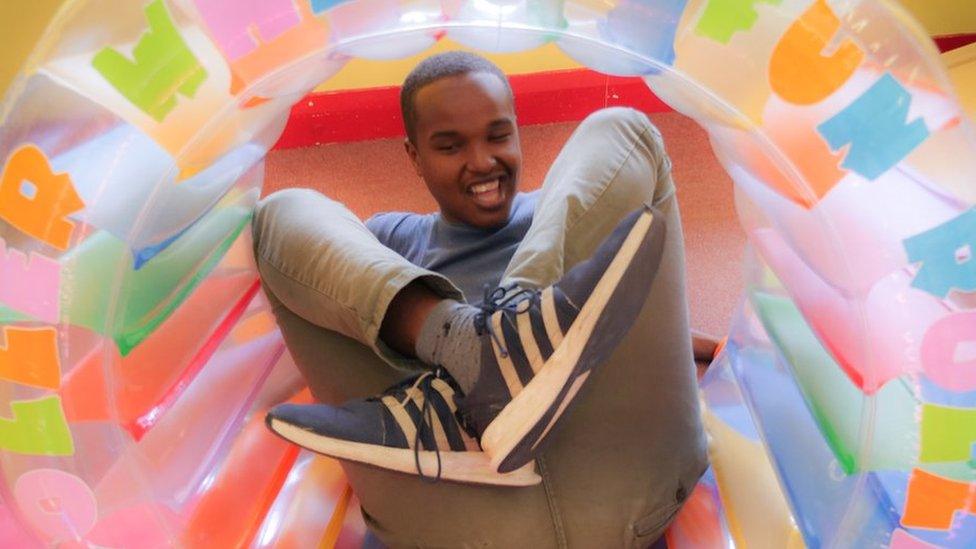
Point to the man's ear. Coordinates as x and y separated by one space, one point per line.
412 153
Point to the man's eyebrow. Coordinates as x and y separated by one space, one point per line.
447 134
452 134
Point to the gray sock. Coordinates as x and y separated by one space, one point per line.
448 339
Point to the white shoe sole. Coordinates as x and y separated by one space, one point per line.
468 467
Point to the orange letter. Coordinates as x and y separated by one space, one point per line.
30 357
798 72
36 200
932 500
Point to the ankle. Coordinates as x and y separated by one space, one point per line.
405 317
448 338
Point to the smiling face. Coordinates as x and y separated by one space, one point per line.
465 146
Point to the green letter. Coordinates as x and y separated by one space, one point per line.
163 66
722 18
38 428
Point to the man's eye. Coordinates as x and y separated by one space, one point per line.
448 147
499 137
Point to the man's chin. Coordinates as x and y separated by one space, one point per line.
489 218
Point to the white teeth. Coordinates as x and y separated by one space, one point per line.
484 187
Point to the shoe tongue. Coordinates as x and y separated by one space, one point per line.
401 386
447 378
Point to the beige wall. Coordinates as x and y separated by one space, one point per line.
962 71
21 24
23 21
944 16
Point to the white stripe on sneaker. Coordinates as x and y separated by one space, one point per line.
402 418
440 436
550 319
447 393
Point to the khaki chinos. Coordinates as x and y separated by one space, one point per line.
624 457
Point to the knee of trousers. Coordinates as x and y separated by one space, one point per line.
623 120
629 123
271 206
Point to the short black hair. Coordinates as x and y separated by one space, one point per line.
436 67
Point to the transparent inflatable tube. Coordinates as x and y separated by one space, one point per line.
824 113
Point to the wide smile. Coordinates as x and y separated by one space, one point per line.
489 194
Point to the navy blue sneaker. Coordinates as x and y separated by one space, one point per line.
412 427
540 347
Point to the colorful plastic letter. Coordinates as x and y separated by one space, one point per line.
30 357
318 6
163 66
947 256
875 127
798 71
939 352
35 199
723 18
59 505
38 428
237 25
31 286
948 434
901 539
932 500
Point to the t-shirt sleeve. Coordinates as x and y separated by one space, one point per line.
396 230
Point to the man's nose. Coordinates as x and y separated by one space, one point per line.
481 160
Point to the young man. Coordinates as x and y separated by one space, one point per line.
572 266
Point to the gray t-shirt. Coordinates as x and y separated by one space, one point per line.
468 256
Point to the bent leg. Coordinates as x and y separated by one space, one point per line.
319 261
633 440
335 367
311 305
614 162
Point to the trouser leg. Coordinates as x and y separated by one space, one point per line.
633 441
319 262
613 163
631 447
330 283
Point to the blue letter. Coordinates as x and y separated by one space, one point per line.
318 6
874 125
946 253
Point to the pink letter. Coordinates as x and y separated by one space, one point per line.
56 503
30 286
940 346
239 26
